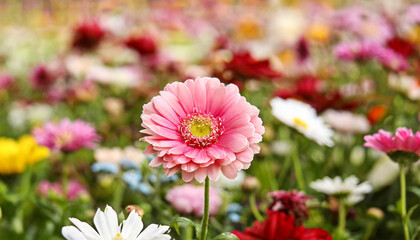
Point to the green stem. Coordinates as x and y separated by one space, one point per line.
188 233
254 208
369 230
341 217
285 169
403 202
118 193
205 221
65 178
298 170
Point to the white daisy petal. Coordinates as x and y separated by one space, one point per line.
86 229
112 220
101 225
303 118
72 233
107 225
349 187
154 232
132 226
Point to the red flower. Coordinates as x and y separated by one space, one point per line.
377 113
87 35
401 46
308 89
42 77
143 45
280 226
245 65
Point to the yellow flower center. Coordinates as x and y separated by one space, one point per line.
300 122
200 129
118 237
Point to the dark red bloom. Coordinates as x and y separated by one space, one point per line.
309 90
302 50
42 77
87 35
243 64
143 45
401 46
280 226
291 203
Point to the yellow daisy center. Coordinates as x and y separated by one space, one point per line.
118 237
301 123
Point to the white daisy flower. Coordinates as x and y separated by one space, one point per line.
107 226
348 188
303 118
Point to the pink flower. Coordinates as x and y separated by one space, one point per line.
291 203
66 135
45 188
201 127
5 81
189 199
364 24
74 189
364 50
404 144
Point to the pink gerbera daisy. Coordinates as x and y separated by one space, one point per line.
403 146
201 127
66 135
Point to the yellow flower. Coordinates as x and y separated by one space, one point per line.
16 155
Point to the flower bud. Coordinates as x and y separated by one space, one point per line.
375 213
251 184
135 208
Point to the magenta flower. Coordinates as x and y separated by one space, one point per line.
291 203
66 135
189 199
363 50
201 127
403 146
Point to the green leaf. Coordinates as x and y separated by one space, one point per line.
182 220
411 210
416 233
226 236
415 190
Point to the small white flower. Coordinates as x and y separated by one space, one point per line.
107 226
346 122
348 188
303 118
20 115
118 76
